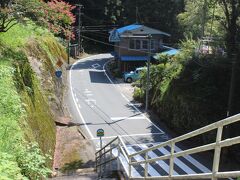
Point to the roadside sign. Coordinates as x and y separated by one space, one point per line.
59 63
58 73
114 36
100 133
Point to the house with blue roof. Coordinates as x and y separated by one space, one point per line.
132 44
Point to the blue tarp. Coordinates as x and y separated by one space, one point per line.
134 58
128 28
171 52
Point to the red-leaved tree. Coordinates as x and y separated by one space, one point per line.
60 18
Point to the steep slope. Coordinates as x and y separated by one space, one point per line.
27 101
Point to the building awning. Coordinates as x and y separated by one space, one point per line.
171 52
134 58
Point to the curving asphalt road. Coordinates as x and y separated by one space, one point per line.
96 102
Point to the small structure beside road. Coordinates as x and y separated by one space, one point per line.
132 44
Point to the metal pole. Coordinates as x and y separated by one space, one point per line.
69 51
100 170
232 86
79 27
148 71
146 166
217 153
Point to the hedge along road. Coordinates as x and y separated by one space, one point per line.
98 103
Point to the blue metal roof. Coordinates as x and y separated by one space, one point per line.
134 58
128 28
171 52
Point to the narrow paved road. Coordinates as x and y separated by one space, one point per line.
96 102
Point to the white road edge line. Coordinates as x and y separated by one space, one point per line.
72 93
128 99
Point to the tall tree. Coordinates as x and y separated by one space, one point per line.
14 11
231 10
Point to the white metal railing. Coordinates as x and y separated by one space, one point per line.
216 146
107 150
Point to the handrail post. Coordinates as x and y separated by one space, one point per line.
146 165
104 160
100 166
130 168
171 165
96 161
118 148
217 153
110 166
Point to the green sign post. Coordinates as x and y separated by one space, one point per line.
100 134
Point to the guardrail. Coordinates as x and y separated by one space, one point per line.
216 146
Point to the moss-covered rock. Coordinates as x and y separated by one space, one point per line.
27 97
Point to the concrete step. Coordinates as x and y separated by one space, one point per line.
82 174
78 177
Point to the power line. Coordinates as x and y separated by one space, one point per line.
122 47
100 35
135 50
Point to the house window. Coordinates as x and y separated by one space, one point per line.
152 44
132 44
138 44
141 44
144 44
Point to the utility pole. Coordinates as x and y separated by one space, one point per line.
79 27
137 15
232 85
148 71
69 50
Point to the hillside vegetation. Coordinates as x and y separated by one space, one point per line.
190 91
28 56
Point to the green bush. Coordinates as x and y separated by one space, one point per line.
9 168
32 162
190 91
138 94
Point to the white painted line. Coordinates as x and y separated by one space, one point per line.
91 101
87 91
72 93
79 106
129 100
128 135
178 162
136 104
127 118
123 95
88 94
95 66
151 170
162 164
194 162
